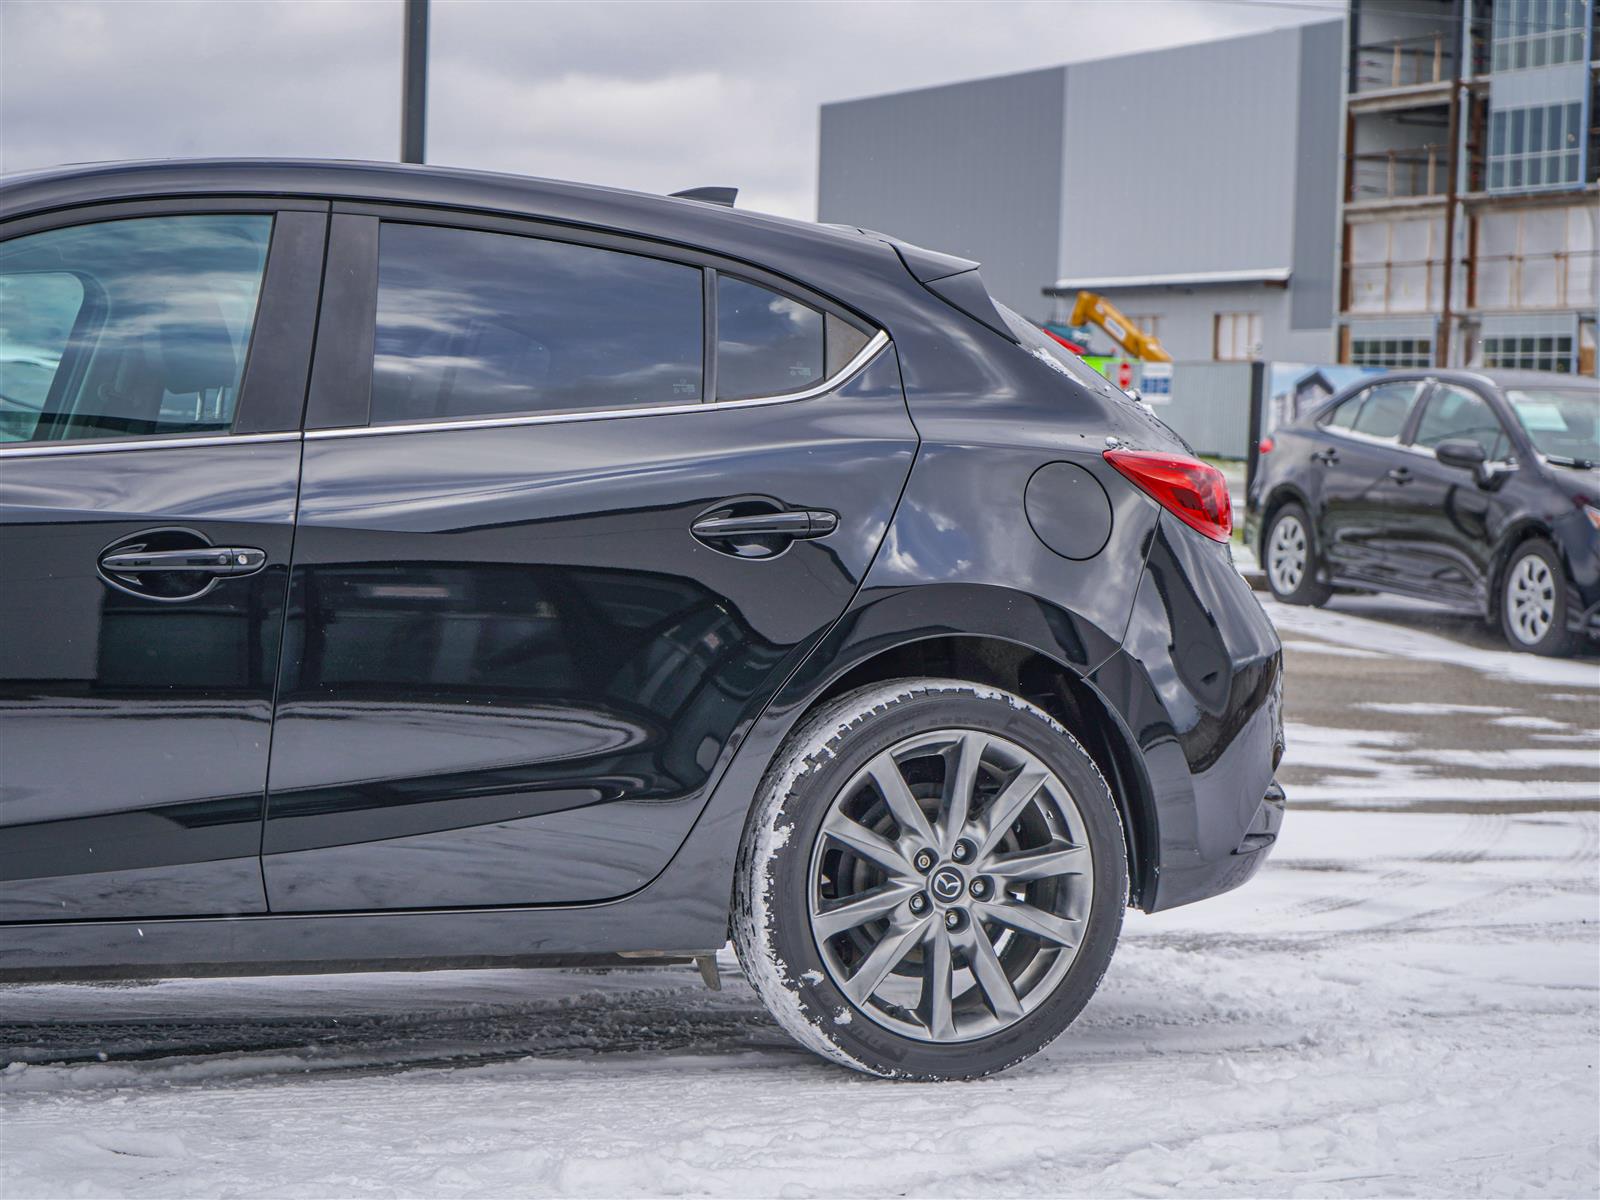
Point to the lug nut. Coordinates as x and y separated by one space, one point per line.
979 887
953 919
919 903
924 861
961 851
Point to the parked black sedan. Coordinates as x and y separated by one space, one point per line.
1476 488
416 568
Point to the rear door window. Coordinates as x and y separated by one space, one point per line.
1385 408
478 324
130 328
767 344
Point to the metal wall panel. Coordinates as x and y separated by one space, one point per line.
1183 161
1316 193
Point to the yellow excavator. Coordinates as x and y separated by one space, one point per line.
1093 309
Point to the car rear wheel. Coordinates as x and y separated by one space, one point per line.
1290 557
932 882
1533 601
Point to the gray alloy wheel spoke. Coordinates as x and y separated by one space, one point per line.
891 784
867 844
991 976
1008 806
884 957
987 929
939 983
1032 865
961 780
1063 931
858 910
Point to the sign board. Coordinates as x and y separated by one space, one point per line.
1155 382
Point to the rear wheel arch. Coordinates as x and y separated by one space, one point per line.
1284 493
1054 687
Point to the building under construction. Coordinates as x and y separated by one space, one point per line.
1470 227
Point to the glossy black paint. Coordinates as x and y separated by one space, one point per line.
513 673
135 732
522 707
1392 517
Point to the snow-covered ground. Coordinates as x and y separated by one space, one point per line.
1405 1001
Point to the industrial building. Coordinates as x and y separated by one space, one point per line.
1469 221
1301 195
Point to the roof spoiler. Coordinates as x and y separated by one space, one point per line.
724 196
954 280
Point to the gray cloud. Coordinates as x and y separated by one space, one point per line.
653 95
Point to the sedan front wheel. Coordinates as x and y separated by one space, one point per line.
1533 601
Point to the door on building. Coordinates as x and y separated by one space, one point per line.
147 492
573 507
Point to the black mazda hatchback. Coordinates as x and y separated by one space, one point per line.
407 568
1478 489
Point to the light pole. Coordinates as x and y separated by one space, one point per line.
414 83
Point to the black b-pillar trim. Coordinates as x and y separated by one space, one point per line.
341 369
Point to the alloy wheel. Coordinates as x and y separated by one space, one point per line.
950 885
1530 598
1286 554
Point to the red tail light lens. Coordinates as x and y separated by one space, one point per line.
1194 492
1265 446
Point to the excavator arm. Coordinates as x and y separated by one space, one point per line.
1092 309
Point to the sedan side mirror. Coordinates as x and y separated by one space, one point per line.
1462 453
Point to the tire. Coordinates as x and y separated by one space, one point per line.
824 784
1533 601
1289 558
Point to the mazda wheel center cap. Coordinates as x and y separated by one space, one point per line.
947 884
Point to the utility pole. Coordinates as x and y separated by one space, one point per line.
414 83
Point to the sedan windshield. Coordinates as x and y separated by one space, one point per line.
1563 423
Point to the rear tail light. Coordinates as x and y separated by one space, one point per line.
1194 492
1266 446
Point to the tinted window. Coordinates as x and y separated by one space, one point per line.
1456 414
1384 409
767 344
1344 415
127 328
474 324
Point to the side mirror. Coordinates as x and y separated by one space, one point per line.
1461 453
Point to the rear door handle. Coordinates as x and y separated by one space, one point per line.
1327 458
791 523
201 560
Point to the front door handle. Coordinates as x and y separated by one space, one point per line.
201 560
1401 474
791 523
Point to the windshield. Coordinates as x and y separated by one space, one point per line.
1563 423
1044 347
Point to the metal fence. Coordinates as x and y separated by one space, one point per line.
1215 406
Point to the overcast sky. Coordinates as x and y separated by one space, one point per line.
655 95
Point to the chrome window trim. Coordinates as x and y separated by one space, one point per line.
41 449
865 355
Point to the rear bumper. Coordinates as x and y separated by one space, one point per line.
1198 685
